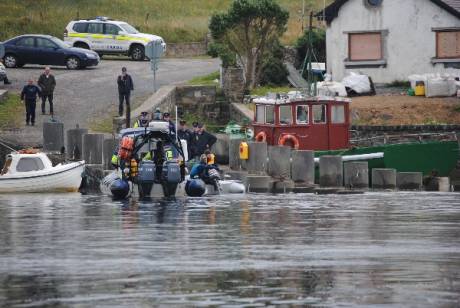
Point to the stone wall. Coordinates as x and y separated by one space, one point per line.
233 84
201 100
184 50
375 134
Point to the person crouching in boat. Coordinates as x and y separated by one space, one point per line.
208 173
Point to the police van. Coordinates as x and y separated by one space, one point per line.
106 36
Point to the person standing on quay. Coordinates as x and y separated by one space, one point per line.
125 86
29 97
47 83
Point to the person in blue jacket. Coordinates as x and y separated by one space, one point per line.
206 172
29 96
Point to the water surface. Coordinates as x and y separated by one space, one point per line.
394 249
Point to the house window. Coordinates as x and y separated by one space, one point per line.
285 115
302 114
269 115
448 44
260 113
365 46
319 114
338 114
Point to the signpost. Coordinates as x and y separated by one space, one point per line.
154 50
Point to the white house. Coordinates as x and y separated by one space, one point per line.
392 39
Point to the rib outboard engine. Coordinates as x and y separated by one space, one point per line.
171 176
145 178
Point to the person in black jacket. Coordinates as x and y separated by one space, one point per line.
47 83
201 141
29 95
125 86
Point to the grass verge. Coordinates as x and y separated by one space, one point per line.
207 80
12 111
262 91
174 20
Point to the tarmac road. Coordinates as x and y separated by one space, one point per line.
83 95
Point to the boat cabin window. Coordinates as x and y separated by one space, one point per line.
260 113
338 114
302 114
269 114
319 114
285 115
26 164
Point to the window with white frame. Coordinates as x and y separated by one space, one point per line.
302 114
260 113
269 114
285 115
319 114
337 114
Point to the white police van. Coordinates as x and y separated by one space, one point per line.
106 36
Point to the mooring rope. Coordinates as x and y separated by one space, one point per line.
8 147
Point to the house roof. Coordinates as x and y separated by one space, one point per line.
332 11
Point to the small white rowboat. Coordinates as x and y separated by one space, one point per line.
35 173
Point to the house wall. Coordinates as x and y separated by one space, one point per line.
409 43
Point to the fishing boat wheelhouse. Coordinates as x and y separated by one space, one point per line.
303 122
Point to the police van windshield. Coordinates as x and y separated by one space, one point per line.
128 28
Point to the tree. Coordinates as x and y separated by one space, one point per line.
246 30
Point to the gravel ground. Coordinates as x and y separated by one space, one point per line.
84 95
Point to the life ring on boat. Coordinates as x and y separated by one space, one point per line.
29 151
290 140
261 137
126 148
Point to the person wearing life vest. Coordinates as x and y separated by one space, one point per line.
143 120
209 173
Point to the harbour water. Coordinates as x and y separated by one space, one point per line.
395 249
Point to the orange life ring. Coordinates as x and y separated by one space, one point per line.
261 137
289 138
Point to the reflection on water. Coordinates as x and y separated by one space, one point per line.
255 250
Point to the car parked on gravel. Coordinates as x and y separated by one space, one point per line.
107 36
46 50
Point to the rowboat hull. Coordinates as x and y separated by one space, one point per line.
61 178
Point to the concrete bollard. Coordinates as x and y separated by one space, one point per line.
92 148
107 152
53 136
356 174
221 149
257 162
383 178
409 180
234 154
303 167
330 171
258 183
279 162
74 144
